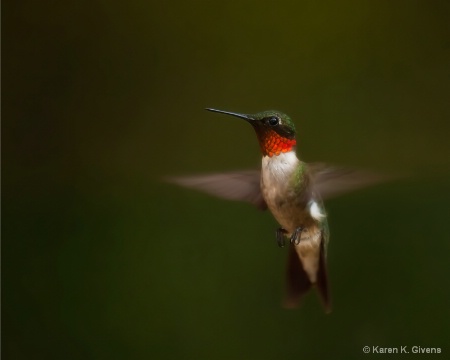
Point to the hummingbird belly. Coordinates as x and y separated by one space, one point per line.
293 209
291 212
290 217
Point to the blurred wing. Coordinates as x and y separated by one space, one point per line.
239 186
330 181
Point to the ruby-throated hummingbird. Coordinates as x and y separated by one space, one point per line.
293 192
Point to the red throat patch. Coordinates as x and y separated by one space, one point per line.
273 143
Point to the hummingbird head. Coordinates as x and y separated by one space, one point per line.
275 130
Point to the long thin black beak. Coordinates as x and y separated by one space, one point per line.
241 116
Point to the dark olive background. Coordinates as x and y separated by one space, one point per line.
103 260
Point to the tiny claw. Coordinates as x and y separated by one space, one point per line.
280 236
295 238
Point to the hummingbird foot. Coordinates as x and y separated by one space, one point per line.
280 236
295 238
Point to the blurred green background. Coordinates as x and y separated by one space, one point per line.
102 260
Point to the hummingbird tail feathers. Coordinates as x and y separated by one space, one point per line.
298 282
322 280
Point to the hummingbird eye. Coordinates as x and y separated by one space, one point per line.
273 121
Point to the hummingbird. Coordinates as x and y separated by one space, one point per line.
293 191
